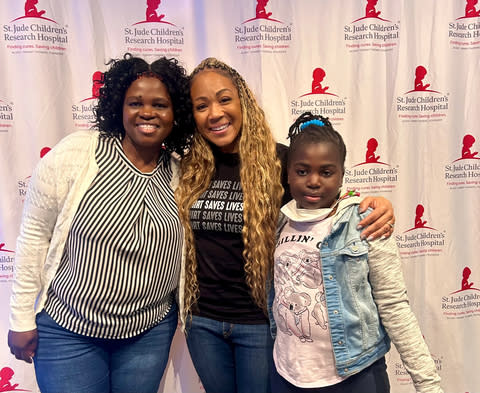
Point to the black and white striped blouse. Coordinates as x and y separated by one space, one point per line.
121 262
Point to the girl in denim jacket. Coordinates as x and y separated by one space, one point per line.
338 299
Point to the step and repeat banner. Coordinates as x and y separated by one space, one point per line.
400 79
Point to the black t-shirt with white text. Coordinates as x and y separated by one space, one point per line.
217 222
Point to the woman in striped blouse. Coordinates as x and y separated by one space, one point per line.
98 255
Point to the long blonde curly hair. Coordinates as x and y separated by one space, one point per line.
262 190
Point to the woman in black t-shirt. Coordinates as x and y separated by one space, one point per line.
229 198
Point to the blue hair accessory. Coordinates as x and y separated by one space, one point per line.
315 122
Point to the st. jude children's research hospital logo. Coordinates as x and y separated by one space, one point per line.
35 32
422 239
464 172
155 34
372 175
320 100
263 32
371 31
464 302
422 103
82 112
464 31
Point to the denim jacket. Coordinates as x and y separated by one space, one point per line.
364 287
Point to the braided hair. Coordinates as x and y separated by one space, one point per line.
260 180
310 128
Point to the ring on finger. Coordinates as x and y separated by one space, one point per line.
391 224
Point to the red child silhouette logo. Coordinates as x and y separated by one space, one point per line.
371 11
31 11
468 141
261 12
97 83
6 374
470 10
151 12
465 276
420 73
3 249
419 222
44 151
318 75
370 156
467 154
465 283
151 15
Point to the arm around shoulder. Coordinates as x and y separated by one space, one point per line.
379 223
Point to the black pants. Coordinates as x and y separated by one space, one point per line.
373 379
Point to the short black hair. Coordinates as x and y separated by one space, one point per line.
121 74
310 128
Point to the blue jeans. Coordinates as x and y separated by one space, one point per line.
372 379
67 362
230 358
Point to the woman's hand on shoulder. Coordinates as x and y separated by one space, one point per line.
23 344
380 222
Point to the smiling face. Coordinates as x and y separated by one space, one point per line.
315 174
217 110
147 118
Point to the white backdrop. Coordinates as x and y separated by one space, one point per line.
398 78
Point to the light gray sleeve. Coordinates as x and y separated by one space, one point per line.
390 295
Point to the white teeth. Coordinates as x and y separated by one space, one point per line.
147 127
220 128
